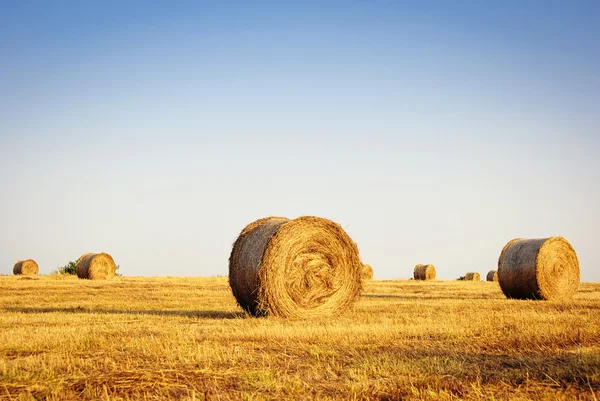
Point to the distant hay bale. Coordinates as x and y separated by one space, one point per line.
96 266
540 268
27 267
472 276
492 275
367 273
424 272
305 267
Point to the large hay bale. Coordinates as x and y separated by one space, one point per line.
492 275
304 267
96 266
472 276
540 268
424 272
27 267
367 273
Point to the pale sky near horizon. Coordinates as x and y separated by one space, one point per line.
433 132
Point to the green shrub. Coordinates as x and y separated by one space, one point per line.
69 268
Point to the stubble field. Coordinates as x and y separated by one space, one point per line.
185 338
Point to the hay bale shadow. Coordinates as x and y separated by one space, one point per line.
184 313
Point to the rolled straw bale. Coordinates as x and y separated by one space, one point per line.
492 275
424 272
472 276
539 268
304 267
27 267
367 273
96 266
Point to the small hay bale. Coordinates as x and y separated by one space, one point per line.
96 266
472 276
540 268
27 267
492 275
299 268
424 272
367 273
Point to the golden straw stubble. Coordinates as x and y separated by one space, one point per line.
96 266
28 267
424 272
538 268
305 267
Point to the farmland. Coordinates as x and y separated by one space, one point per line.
185 338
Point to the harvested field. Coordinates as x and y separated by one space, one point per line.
186 338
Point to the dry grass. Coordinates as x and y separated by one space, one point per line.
300 268
185 338
424 272
27 267
96 266
367 272
471 276
539 268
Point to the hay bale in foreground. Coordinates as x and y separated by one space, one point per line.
27 267
540 268
367 273
424 272
472 276
492 275
304 267
96 266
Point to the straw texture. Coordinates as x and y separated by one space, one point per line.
424 272
367 273
27 267
96 266
539 268
298 268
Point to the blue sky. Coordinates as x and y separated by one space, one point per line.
433 132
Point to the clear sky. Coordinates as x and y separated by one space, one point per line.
432 131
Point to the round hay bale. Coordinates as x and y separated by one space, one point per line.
27 267
83 256
472 276
299 268
424 272
367 273
540 268
492 275
96 266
